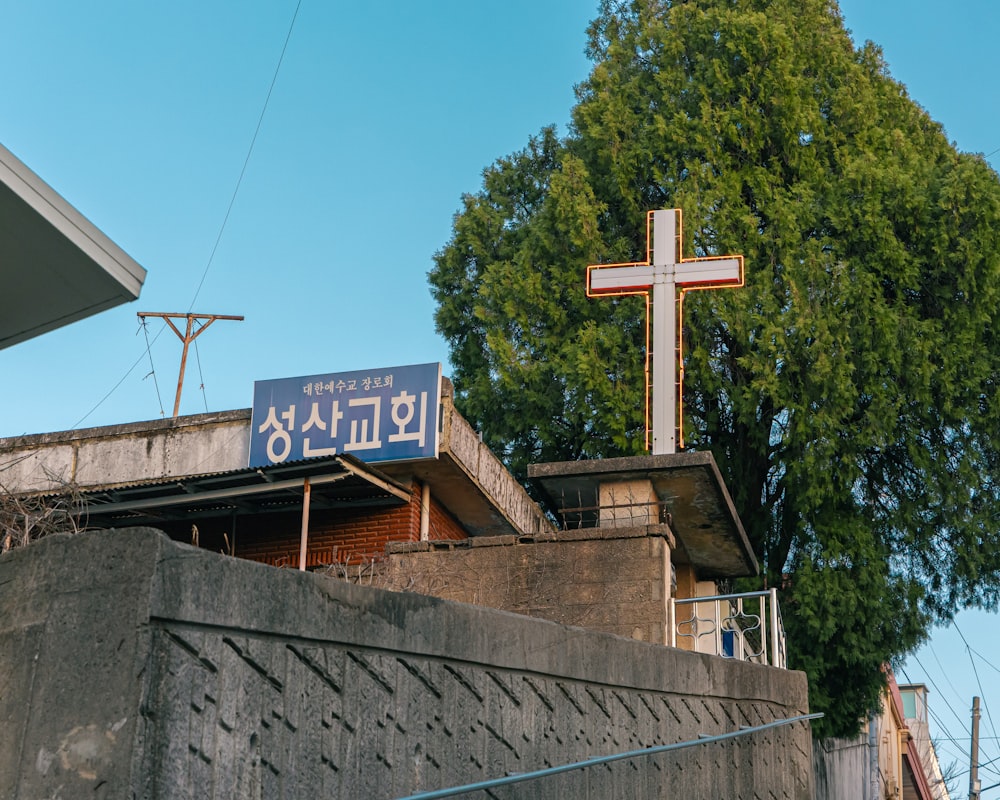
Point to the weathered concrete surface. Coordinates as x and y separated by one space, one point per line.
135 667
614 580
74 643
842 768
120 454
466 471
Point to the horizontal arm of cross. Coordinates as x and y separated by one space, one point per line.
610 279
638 278
711 272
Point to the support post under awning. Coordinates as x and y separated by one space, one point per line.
304 541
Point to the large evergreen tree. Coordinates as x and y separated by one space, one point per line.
849 390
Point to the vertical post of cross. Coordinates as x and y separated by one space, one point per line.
664 342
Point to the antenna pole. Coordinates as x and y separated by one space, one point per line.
974 784
187 337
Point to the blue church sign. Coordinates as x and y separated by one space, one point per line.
386 414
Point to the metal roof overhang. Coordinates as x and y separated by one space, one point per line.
56 267
336 482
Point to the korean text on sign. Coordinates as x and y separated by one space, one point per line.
377 415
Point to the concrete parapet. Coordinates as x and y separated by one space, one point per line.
120 454
613 580
136 667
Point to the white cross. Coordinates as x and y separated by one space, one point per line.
662 273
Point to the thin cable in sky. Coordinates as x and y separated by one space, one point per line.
944 672
112 390
979 683
934 685
246 161
201 377
218 238
152 369
128 372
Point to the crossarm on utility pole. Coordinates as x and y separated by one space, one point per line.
187 337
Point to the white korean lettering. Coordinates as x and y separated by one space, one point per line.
365 430
279 433
403 411
316 421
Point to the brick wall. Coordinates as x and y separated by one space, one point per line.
342 537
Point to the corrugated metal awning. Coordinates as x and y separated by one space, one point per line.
337 482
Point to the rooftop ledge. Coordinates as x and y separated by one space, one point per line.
689 489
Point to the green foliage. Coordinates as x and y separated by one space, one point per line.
849 390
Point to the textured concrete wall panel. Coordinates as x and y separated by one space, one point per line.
36 470
159 671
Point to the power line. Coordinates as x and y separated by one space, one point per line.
187 337
958 696
111 391
937 689
979 683
218 238
246 161
152 369
201 376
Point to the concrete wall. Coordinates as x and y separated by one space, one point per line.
118 454
135 667
842 769
460 443
614 580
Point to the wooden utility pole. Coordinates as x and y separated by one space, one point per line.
974 755
187 337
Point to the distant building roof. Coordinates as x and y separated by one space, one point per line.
56 267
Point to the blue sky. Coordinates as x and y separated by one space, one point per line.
382 115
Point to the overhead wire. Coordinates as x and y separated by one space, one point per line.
937 689
246 161
960 755
201 377
112 390
944 672
979 683
152 369
225 220
949 737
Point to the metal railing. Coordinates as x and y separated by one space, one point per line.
747 626
512 778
